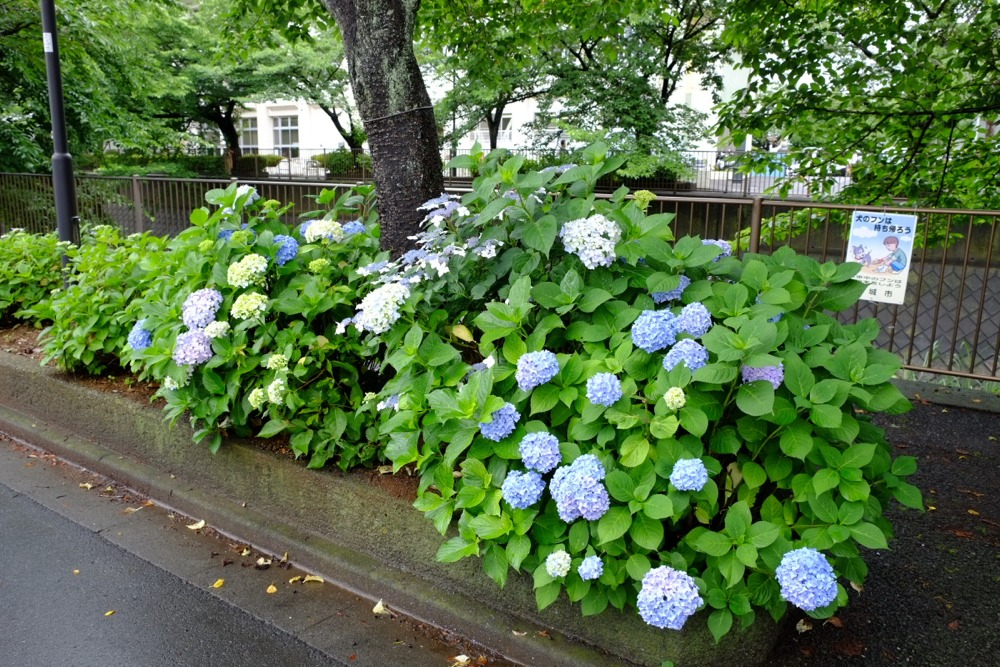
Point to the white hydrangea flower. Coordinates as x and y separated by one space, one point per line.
249 305
170 384
277 362
249 270
256 398
558 564
380 308
276 390
217 329
592 239
675 398
328 230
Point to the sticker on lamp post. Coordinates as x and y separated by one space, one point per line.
883 244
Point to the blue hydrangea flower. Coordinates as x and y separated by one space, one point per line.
689 352
522 489
414 255
536 368
674 294
689 475
200 307
727 249
773 374
140 338
540 451
578 491
694 320
592 567
504 422
604 389
288 248
304 227
192 348
806 578
227 234
354 227
668 598
654 330
592 239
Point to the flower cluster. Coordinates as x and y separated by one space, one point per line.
540 451
140 338
217 329
668 597
536 368
592 239
694 320
674 294
192 348
558 564
325 230
674 398
318 265
229 234
200 307
257 398
288 249
276 390
591 568
654 330
170 384
277 362
578 491
604 389
806 578
504 422
522 489
727 248
689 475
773 374
249 191
390 402
353 227
689 352
249 305
248 271
380 308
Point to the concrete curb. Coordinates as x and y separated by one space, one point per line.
353 534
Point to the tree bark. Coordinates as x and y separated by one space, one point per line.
225 120
347 133
395 109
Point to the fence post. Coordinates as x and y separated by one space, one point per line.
756 213
139 215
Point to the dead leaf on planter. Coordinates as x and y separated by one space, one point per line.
834 621
197 525
87 485
803 626
519 633
858 587
460 660
284 558
245 552
262 563
384 470
295 580
973 512
313 578
219 583
380 609
131 510
272 589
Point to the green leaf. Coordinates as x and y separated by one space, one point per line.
694 421
738 520
579 536
272 428
637 566
869 535
908 495
720 622
658 507
456 549
495 564
904 466
796 441
799 377
753 475
857 456
716 373
647 532
763 534
755 398
620 485
592 298
824 480
613 524
490 527
213 383
826 416
634 451
547 594
540 235
713 544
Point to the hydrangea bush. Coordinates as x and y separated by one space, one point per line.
30 268
241 324
636 422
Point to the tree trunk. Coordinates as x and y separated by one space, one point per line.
395 108
493 120
225 120
350 138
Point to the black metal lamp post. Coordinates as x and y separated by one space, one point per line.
67 218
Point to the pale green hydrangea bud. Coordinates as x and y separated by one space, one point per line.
318 265
675 398
277 362
206 245
256 398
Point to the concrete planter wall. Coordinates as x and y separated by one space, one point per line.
351 532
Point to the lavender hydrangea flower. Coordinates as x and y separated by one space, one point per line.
504 422
200 307
806 578
689 475
591 568
689 352
727 249
654 330
604 389
522 489
288 249
668 598
540 451
140 338
674 294
592 239
578 491
354 227
227 234
773 374
694 320
192 348
536 368
558 563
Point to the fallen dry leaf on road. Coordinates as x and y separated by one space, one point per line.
219 583
197 525
272 589
262 563
380 609
75 572
313 578
518 633
459 660
295 580
131 510
245 552
110 613
87 485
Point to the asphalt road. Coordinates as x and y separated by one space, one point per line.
91 575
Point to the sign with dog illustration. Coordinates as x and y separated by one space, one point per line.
883 244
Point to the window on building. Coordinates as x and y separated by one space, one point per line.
286 135
248 135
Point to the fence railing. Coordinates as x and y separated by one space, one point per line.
948 325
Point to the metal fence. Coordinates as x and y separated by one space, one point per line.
948 325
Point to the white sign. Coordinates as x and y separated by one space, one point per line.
47 42
883 244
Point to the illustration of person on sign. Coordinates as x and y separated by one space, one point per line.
895 261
